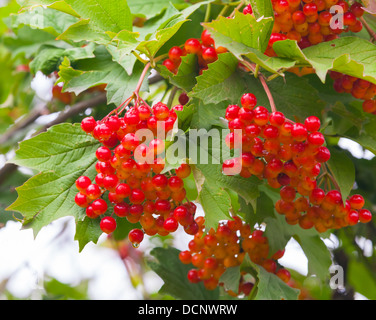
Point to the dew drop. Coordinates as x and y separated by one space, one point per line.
135 245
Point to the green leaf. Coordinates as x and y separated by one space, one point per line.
348 55
59 5
246 188
262 8
269 286
244 31
186 75
343 170
231 278
87 230
207 115
220 81
150 8
120 85
62 154
174 274
49 58
107 15
156 41
216 204
49 20
318 255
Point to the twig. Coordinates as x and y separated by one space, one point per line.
143 75
75 109
24 123
369 29
253 68
237 8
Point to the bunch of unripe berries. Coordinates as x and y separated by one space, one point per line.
130 182
358 88
211 252
310 22
204 48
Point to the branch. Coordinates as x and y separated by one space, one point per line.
23 123
369 29
75 109
81 106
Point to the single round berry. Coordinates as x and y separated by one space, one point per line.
170 224
88 124
248 100
192 46
136 236
108 224
82 183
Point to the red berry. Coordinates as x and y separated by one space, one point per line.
356 9
323 154
248 100
108 224
88 124
356 201
206 39
135 236
137 196
81 200
170 224
175 54
99 206
193 276
183 100
121 209
93 191
316 138
299 132
312 123
209 55
103 154
82 183
248 9
365 215
192 46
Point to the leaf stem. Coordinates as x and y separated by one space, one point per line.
139 57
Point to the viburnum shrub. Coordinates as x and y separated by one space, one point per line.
216 127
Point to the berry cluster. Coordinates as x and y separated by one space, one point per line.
130 169
310 22
204 48
358 88
274 148
321 210
212 252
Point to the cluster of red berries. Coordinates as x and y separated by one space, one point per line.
358 88
130 169
274 148
321 210
211 252
204 48
310 22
